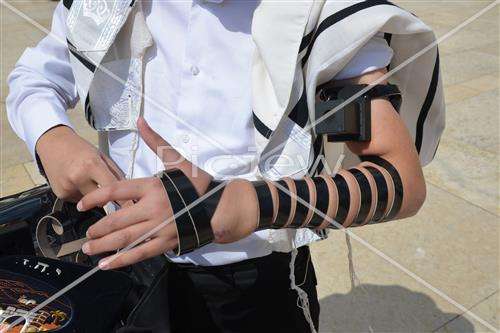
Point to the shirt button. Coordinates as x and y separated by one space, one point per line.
195 70
185 138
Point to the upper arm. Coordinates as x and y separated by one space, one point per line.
391 140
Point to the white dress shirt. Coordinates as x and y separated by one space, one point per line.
197 87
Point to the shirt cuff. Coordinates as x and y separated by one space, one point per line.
38 116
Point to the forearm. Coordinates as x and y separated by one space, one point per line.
387 185
377 190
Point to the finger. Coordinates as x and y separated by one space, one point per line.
120 219
150 137
113 167
123 190
158 145
122 238
118 175
102 174
74 197
87 187
142 252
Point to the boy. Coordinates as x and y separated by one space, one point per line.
232 90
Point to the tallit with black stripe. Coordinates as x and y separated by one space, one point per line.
299 46
303 45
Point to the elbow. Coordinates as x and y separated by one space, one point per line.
416 199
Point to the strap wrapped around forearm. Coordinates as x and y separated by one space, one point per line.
296 203
365 197
376 188
266 209
396 178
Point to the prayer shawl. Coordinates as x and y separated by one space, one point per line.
299 46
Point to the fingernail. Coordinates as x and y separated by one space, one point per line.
103 264
87 234
86 248
79 206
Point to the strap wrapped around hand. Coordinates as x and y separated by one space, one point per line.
193 224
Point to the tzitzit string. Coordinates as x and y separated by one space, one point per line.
302 299
134 145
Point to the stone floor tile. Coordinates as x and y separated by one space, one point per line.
483 83
475 121
463 66
14 179
432 245
467 172
13 151
457 93
490 48
34 174
453 13
488 310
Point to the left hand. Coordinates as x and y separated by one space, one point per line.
121 228
152 208
231 222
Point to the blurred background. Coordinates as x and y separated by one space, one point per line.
435 272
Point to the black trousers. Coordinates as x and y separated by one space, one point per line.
249 296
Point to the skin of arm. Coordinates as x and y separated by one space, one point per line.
391 140
236 215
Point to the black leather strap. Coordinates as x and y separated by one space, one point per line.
322 201
365 198
391 91
210 203
382 193
344 199
193 227
330 91
266 208
285 205
301 210
198 213
398 183
186 231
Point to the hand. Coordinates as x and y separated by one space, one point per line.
73 166
152 211
119 229
232 220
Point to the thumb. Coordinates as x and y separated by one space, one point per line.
157 144
154 141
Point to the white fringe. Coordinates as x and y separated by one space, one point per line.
302 299
352 273
133 146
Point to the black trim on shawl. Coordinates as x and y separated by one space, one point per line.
339 16
429 99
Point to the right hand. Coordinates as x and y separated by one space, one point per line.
74 167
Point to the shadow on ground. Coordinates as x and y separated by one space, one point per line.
374 308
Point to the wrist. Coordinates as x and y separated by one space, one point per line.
59 133
236 214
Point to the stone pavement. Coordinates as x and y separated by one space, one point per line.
450 250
